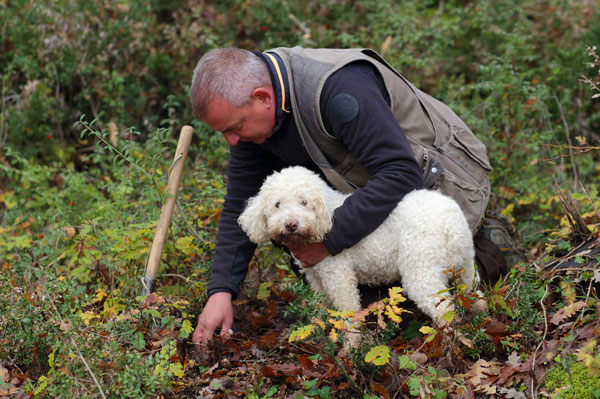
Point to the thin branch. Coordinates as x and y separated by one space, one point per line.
587 195
85 363
568 136
543 337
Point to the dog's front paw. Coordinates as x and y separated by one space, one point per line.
442 318
353 340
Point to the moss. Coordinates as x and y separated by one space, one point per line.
585 382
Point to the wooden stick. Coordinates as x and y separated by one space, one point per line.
185 137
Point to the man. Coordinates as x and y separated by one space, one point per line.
344 114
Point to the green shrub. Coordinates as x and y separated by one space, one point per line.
578 382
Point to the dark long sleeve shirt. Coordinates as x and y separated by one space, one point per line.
374 137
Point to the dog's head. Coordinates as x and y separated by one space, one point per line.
291 205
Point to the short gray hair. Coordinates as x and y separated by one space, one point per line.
227 73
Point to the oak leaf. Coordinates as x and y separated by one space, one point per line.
378 355
301 333
481 370
566 312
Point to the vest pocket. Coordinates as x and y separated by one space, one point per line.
466 142
472 199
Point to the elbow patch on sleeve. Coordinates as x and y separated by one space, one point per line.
342 108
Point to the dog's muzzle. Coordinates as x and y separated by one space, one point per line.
291 225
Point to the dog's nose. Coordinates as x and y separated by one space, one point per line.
291 225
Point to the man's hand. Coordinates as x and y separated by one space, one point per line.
308 254
218 312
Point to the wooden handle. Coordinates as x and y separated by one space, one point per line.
185 137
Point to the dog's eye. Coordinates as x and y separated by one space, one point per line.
303 202
277 204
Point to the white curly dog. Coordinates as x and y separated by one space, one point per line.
424 237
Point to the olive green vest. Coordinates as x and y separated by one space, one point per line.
453 160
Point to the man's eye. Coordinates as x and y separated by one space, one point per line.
303 202
277 204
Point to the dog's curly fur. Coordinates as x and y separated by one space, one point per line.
425 236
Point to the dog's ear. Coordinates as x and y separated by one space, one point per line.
324 215
254 221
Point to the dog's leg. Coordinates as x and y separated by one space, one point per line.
340 283
424 290
313 279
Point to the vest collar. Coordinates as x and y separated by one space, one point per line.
279 79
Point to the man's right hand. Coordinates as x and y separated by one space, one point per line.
218 312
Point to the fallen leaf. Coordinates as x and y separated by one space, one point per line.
386 44
465 341
301 333
511 393
380 389
566 312
514 360
70 231
306 363
378 355
419 358
596 276
152 299
281 370
481 370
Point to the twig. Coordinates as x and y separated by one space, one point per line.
568 256
345 373
112 148
88 368
587 195
587 297
543 337
189 226
85 363
174 275
298 23
568 136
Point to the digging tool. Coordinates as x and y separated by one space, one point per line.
185 137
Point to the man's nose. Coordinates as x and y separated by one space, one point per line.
231 138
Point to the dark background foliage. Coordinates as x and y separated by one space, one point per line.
93 94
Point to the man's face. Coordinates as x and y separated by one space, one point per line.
252 123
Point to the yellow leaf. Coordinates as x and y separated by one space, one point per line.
176 369
186 329
386 44
395 295
508 211
264 290
301 333
333 335
427 330
339 324
449 316
87 317
337 313
319 323
392 315
186 245
568 292
378 355
100 295
8 199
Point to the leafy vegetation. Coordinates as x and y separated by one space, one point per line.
93 96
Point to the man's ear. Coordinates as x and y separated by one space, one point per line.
264 95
